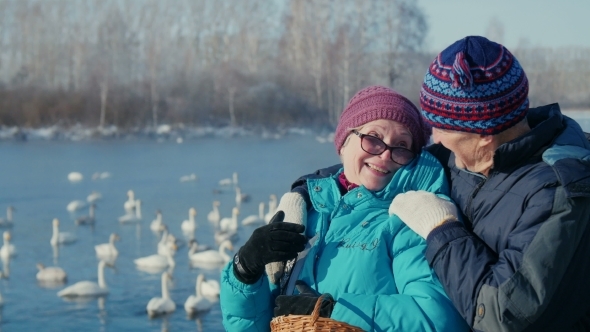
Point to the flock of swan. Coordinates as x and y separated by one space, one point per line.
162 261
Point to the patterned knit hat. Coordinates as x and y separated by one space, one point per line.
475 86
379 102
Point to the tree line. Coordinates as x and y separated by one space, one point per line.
240 63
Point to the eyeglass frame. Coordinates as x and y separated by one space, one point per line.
385 147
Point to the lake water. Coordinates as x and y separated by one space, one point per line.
33 178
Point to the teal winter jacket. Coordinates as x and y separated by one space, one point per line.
370 262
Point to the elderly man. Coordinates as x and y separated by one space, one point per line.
515 256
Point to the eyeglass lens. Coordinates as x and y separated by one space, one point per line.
376 146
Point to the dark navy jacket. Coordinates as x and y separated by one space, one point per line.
521 259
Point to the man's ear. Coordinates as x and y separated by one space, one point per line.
486 141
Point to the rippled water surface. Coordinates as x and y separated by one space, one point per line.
33 178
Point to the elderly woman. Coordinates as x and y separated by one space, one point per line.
370 263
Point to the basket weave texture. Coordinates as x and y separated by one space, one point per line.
310 323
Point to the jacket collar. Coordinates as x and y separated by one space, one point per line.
546 123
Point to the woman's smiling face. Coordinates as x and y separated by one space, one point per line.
374 171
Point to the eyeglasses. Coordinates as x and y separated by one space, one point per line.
375 146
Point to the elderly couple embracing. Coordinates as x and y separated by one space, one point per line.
485 229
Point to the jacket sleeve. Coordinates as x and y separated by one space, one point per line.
246 307
421 304
492 290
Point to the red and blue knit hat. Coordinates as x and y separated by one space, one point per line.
476 86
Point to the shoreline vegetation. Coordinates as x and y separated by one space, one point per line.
181 132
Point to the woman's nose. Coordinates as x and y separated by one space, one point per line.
386 155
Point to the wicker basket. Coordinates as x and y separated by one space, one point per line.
310 323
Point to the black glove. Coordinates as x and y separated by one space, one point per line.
278 241
303 303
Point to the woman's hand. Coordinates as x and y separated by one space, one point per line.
277 241
303 303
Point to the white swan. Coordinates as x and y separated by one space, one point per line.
210 289
8 250
88 288
240 197
131 217
7 222
93 197
157 224
51 274
75 205
231 223
213 256
75 176
89 219
107 250
214 215
162 305
255 219
188 178
155 261
197 303
229 181
129 204
167 244
272 208
189 225
61 237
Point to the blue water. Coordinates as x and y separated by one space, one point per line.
33 178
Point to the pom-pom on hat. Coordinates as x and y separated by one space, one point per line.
475 85
378 102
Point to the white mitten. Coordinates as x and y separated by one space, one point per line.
295 210
422 211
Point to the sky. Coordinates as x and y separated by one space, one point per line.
545 23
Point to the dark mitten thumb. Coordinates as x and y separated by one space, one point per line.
278 217
304 289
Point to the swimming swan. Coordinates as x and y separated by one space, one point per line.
213 256
231 223
130 216
214 215
240 197
272 208
255 219
8 250
75 205
89 219
93 197
7 222
197 303
189 225
88 288
210 289
61 237
107 250
129 204
162 305
157 224
155 261
51 273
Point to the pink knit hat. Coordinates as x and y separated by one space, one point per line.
378 102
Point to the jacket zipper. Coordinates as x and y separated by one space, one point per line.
473 194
